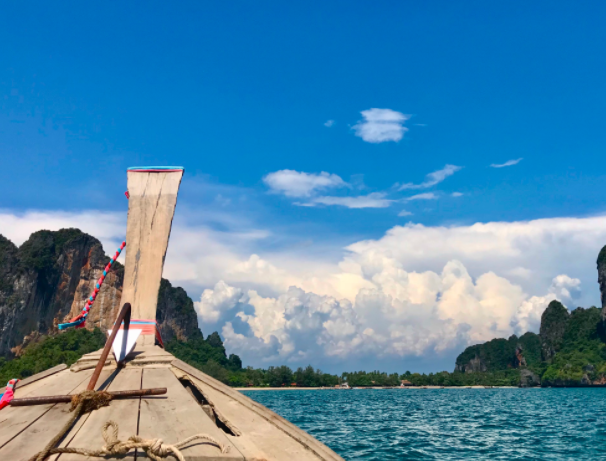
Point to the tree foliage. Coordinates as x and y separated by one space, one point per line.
65 347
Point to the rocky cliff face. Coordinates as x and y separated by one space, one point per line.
527 352
47 280
602 279
553 326
500 354
176 315
570 349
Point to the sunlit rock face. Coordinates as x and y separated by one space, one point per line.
46 281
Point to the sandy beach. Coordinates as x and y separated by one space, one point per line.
368 388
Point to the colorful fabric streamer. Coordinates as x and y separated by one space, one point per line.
147 327
9 393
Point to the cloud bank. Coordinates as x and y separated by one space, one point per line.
415 292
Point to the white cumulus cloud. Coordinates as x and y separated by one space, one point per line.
214 302
300 184
416 291
381 125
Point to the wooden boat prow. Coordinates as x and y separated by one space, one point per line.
194 403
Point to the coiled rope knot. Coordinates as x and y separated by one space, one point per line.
155 449
90 400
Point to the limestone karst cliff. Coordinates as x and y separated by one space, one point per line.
175 314
553 325
602 279
570 349
47 279
500 354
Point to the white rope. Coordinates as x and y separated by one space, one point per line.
156 449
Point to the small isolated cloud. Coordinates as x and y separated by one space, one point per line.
404 213
329 123
424 196
507 163
374 200
300 184
456 194
381 125
433 178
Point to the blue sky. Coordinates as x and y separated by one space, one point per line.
238 92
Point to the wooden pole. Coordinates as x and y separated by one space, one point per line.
124 315
26 401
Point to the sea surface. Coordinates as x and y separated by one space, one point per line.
449 424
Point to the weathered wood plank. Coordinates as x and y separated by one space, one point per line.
14 420
249 415
41 375
137 353
260 439
151 206
22 391
35 437
241 441
125 412
178 416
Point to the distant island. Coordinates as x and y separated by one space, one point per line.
45 280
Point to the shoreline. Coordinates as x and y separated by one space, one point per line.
374 388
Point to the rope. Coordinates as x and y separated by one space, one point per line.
79 320
155 449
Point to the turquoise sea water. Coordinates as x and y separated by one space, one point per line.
450 424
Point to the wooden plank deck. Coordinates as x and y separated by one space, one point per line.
88 434
38 433
178 416
274 435
41 375
14 420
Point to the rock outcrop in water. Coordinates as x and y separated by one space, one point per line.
47 279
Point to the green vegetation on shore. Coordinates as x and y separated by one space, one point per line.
50 351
